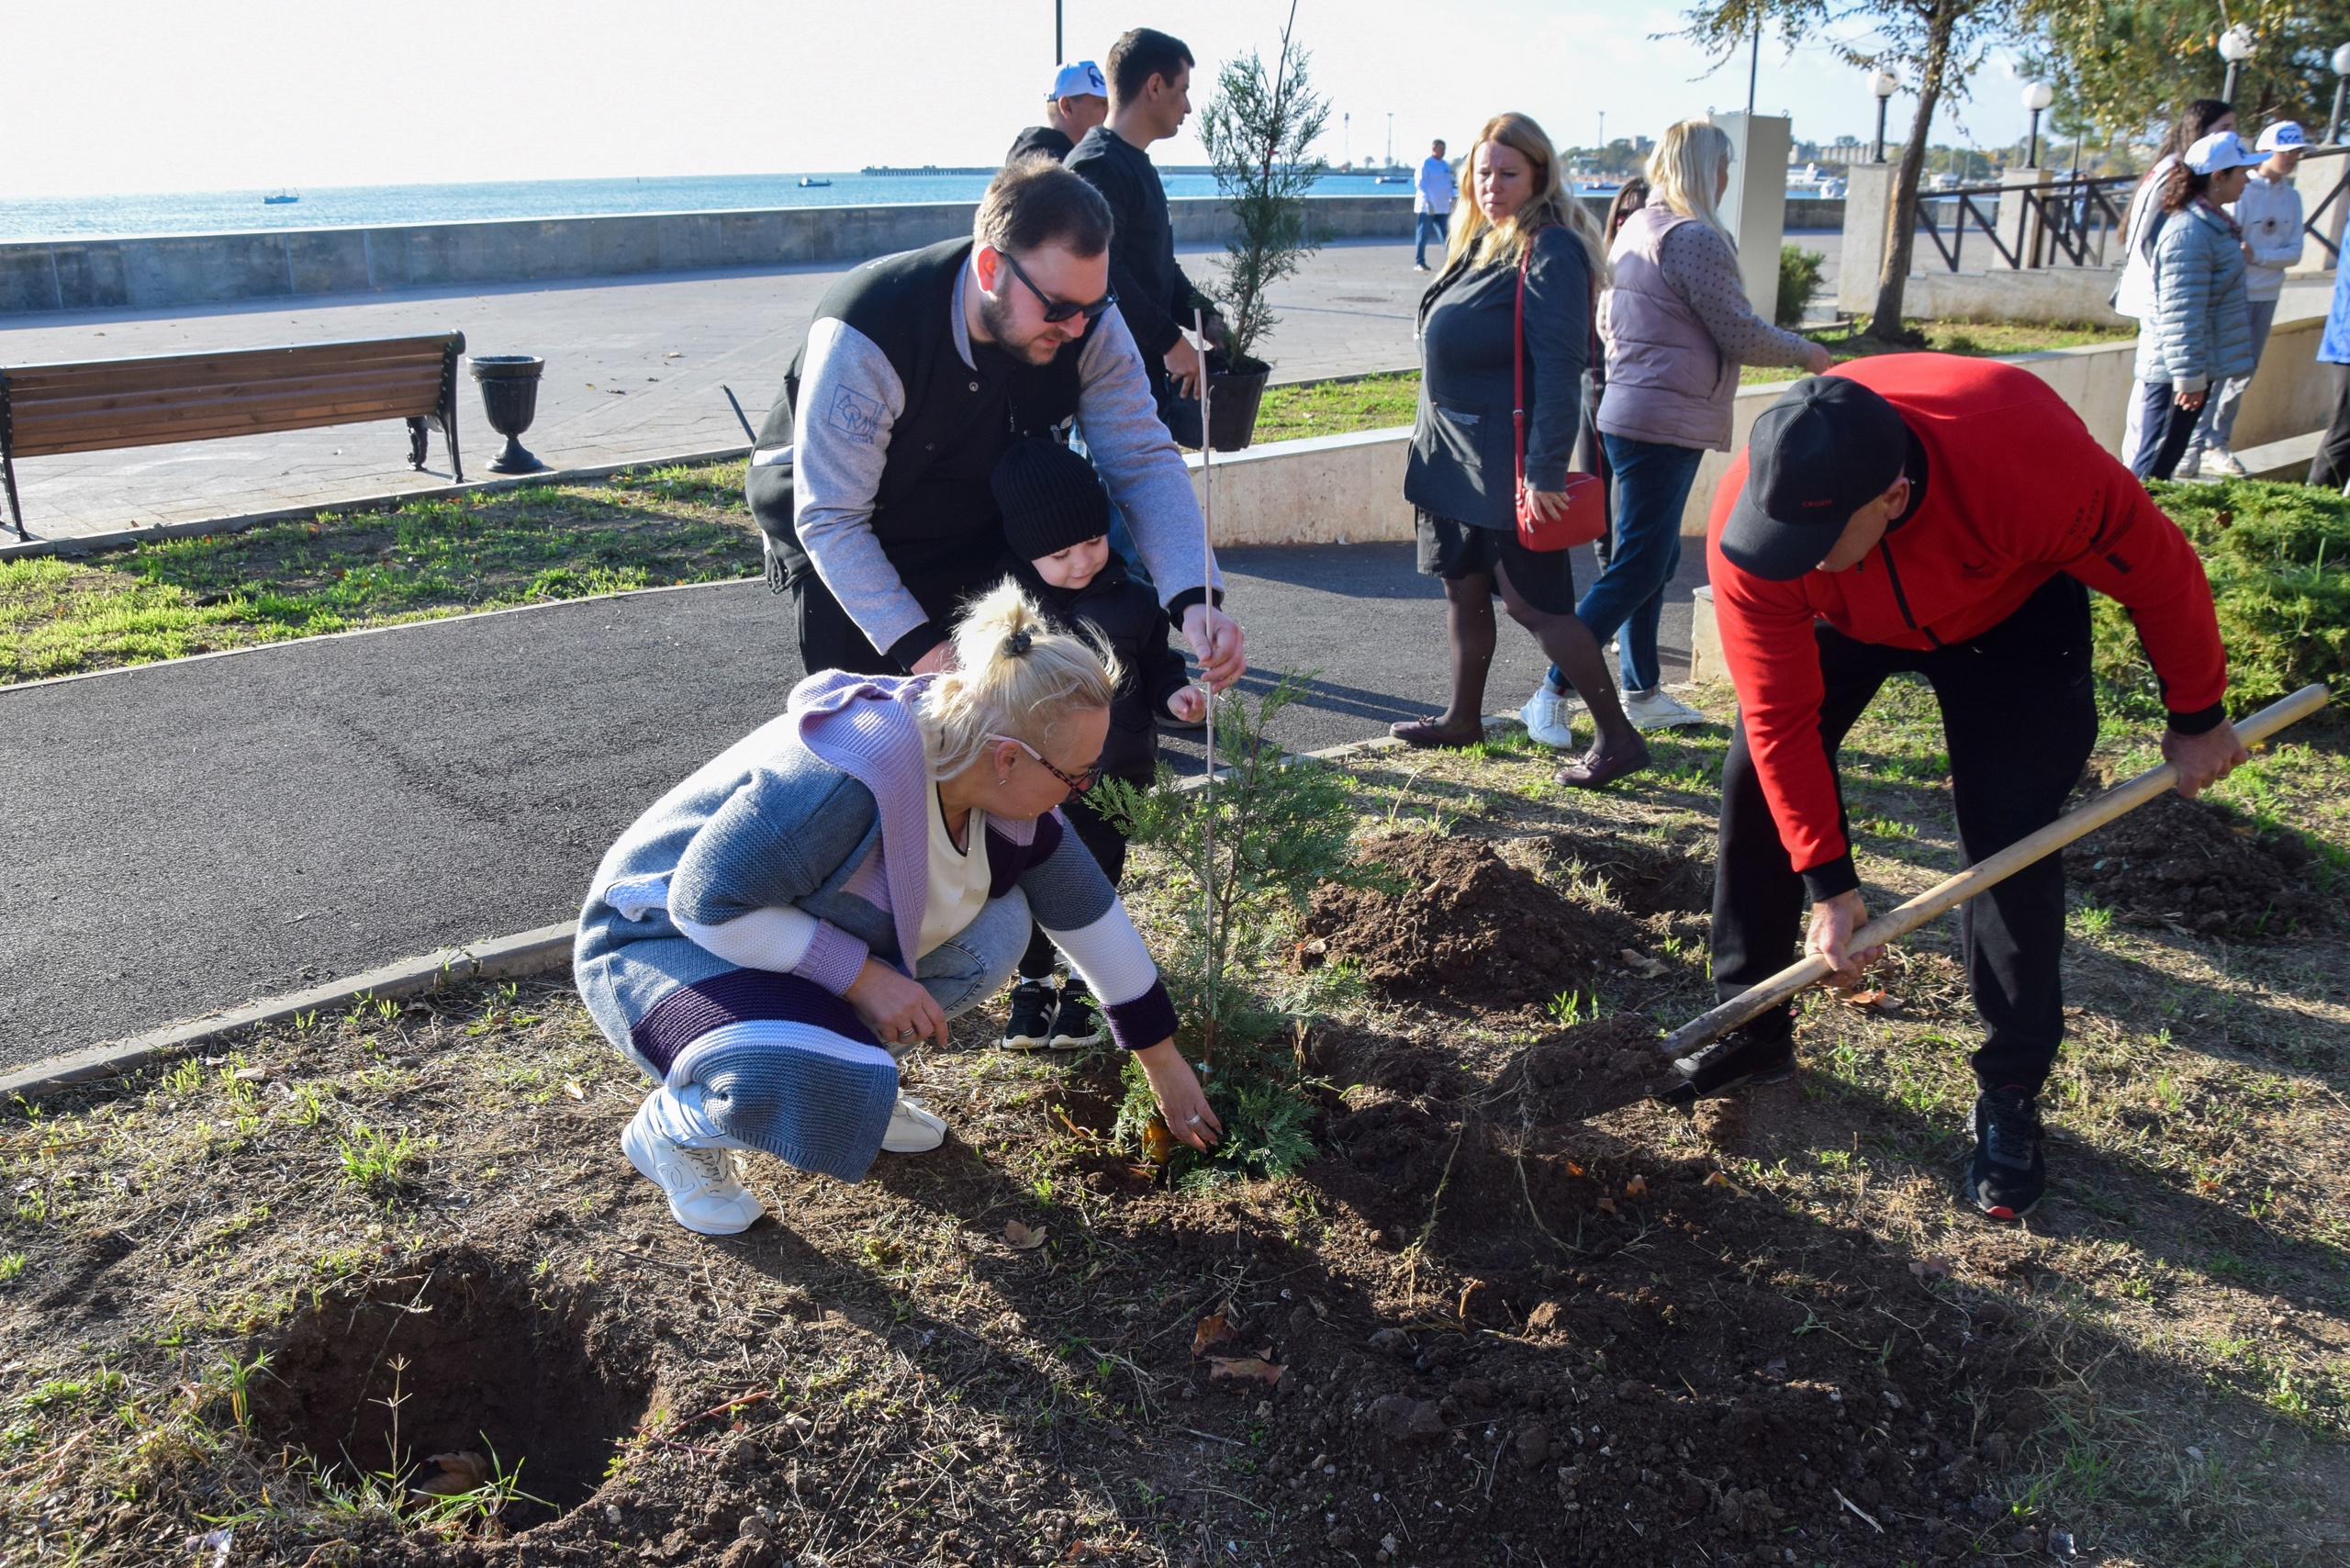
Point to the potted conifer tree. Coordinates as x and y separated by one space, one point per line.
1260 128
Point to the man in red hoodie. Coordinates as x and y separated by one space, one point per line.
1943 517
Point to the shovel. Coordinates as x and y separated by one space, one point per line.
1902 919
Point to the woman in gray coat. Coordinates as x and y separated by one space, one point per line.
2199 332
1461 479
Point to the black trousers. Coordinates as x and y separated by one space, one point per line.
2019 716
940 579
2164 431
1109 846
2330 467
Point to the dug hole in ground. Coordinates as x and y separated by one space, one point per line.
382 1288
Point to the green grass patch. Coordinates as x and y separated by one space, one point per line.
1337 407
342 572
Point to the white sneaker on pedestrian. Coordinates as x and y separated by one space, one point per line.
704 1188
2191 466
1653 710
2221 461
1548 719
913 1129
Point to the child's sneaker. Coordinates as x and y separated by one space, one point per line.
1076 1025
1030 1027
705 1191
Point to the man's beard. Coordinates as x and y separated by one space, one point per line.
996 314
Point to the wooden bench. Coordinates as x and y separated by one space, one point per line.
98 405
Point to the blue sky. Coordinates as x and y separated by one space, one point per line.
149 95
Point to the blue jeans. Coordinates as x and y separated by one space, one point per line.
1653 482
1426 225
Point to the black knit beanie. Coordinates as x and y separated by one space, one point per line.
1050 498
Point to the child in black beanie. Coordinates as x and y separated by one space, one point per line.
1056 525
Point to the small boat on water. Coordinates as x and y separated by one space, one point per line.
1393 180
281 198
810 183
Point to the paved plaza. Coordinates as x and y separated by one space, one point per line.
633 371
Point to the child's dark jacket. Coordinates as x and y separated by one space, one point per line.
1128 617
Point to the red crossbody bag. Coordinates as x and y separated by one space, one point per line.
1585 517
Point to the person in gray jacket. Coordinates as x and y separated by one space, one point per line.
2269 213
1461 475
2199 331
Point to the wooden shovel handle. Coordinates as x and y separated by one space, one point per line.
1902 919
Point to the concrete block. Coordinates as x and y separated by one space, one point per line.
2319 179
2005 293
29 279
1705 663
327 261
1331 490
1868 206
1754 209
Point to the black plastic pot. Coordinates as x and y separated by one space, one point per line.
509 400
1233 397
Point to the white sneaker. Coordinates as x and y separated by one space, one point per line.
2221 461
2191 466
1548 719
1653 710
913 1129
705 1191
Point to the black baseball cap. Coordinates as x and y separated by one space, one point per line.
1818 456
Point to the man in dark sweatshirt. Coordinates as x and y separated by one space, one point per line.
1079 101
1150 96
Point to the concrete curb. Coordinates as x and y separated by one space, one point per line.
78 544
503 958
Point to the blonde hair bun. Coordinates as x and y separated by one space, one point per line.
1015 675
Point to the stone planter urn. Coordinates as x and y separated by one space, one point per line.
509 400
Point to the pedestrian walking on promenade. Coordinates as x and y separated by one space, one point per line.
1943 517
871 474
1677 327
1515 220
2134 294
2199 331
2330 467
1546 715
1150 96
1078 100
828 891
1432 195
2269 213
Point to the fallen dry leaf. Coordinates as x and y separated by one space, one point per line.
571 1087
253 1075
1869 998
1608 1205
1718 1179
1635 1186
1023 1239
1933 1268
1243 1368
460 1472
1573 1168
1640 964
1212 1331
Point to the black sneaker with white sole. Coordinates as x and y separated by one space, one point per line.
1757 1053
2010 1173
1030 1027
1075 1024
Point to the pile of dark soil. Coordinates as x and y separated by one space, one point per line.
2190 866
1468 927
1647 879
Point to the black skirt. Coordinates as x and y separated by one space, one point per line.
1452 549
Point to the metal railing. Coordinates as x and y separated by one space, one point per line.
2064 223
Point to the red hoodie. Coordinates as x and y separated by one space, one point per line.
2016 491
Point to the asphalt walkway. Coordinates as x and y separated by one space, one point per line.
186 836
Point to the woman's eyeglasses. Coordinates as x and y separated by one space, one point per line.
1079 782
1058 311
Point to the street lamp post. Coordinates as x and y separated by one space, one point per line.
1884 83
2235 47
2037 96
2341 63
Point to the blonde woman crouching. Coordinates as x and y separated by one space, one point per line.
832 889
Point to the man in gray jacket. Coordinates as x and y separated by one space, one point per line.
2269 213
870 477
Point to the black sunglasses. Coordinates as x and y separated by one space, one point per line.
1058 311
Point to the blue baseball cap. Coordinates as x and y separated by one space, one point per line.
1080 79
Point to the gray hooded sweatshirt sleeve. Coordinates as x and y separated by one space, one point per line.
851 398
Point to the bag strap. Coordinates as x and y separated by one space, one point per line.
1518 362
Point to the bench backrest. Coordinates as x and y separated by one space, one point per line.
47 409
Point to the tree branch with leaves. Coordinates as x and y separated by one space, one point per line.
1260 129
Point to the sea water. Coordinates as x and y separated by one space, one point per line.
213 212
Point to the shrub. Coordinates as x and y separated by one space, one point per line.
1799 273
1259 131
2278 557
1249 855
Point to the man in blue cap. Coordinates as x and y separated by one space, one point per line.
1942 516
